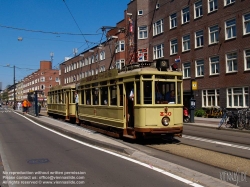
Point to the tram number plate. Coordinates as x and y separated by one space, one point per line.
165 113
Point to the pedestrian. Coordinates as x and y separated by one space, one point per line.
25 106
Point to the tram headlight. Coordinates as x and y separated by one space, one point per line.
165 121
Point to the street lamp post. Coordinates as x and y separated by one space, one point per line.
14 107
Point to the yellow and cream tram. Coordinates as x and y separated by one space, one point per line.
138 101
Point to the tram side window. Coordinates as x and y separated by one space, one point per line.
121 94
147 92
88 97
113 95
104 95
82 97
159 92
95 96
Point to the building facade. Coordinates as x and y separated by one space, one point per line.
209 39
42 79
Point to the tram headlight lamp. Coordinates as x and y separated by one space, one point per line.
165 121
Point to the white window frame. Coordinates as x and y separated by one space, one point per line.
212 5
142 32
186 43
186 70
199 39
120 46
213 34
246 24
140 12
158 27
247 59
199 68
173 20
238 97
214 65
173 46
210 98
231 65
42 79
198 9
102 55
119 64
230 29
158 51
185 14
228 2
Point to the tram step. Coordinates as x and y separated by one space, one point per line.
129 136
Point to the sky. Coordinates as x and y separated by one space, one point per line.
50 26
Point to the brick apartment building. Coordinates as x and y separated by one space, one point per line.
42 79
210 37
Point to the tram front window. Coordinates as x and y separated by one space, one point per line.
165 92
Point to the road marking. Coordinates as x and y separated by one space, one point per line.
216 142
121 156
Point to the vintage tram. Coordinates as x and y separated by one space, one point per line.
141 100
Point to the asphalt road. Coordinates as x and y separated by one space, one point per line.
38 155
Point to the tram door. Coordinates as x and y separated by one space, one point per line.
130 104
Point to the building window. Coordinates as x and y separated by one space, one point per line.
213 34
50 78
158 51
228 2
96 71
57 79
247 59
120 46
231 62
42 87
142 55
102 55
42 79
86 74
174 47
214 65
213 5
96 58
198 9
246 25
86 61
210 98
140 12
158 27
92 59
173 21
142 32
199 68
119 64
186 43
185 15
237 97
230 29
186 70
199 39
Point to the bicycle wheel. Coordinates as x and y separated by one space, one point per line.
241 124
222 121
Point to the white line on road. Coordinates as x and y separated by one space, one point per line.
121 156
215 142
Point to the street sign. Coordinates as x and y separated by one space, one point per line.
194 85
